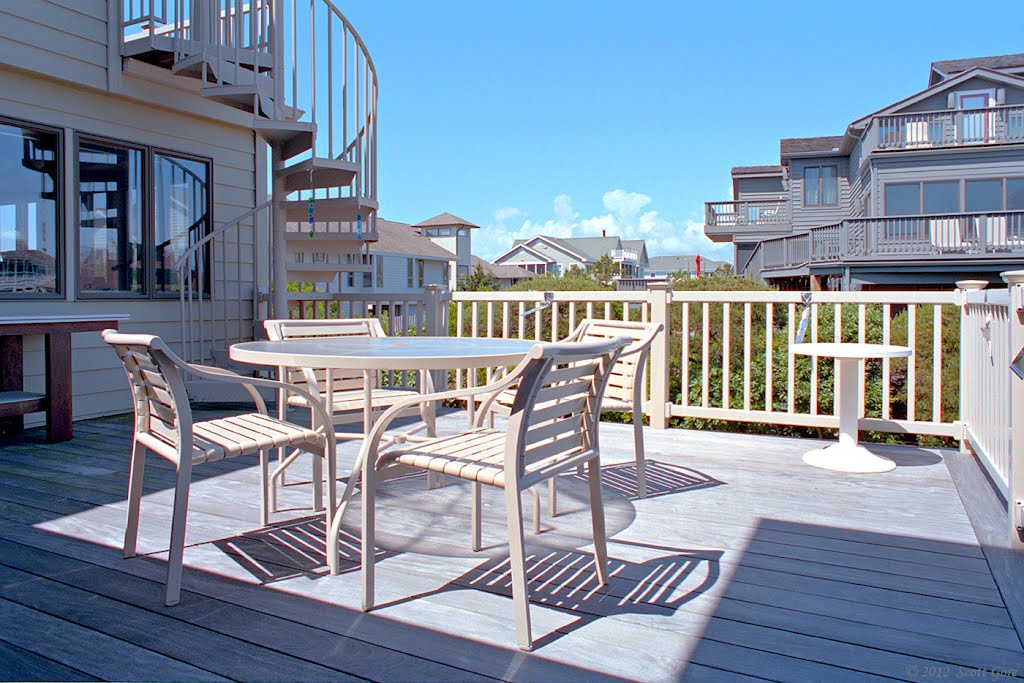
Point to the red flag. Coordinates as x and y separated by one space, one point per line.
698 264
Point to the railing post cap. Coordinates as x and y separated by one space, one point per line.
971 285
431 289
1014 277
659 285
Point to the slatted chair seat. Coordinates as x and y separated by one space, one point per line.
164 426
348 400
228 437
552 429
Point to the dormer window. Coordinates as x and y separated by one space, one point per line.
821 186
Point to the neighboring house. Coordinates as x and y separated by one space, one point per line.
506 274
402 261
921 193
139 146
543 254
454 234
664 266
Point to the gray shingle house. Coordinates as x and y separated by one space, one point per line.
923 192
542 254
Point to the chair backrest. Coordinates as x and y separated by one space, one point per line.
627 376
557 405
313 378
161 402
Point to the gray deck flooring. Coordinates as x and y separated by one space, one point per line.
743 563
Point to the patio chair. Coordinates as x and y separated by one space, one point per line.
164 425
552 429
347 405
625 386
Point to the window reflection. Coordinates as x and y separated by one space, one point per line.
180 188
110 234
29 213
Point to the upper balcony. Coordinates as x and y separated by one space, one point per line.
723 220
948 128
626 255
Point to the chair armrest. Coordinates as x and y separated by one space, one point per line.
250 384
372 442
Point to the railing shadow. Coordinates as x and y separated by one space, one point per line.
566 580
663 479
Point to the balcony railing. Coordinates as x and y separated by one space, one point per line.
950 128
625 255
962 235
745 213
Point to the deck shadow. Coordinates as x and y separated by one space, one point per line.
663 479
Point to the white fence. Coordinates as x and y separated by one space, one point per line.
726 355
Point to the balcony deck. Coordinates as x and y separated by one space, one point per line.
742 564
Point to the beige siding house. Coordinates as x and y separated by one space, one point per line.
137 164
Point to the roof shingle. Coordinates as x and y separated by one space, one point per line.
400 238
953 66
445 220
825 145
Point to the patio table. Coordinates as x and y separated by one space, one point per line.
847 456
373 354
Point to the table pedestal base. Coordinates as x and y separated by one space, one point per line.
847 456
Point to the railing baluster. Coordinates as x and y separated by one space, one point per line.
726 360
706 358
886 362
747 340
791 360
936 363
769 346
685 360
814 361
912 361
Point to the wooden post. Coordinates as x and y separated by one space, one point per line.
1015 282
963 287
661 304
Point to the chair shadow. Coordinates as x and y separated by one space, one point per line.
566 580
291 549
663 479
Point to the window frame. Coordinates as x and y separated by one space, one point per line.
60 276
149 153
820 193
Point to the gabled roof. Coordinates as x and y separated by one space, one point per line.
944 69
997 76
445 220
521 244
562 244
798 147
592 248
502 271
756 170
687 263
401 238
639 246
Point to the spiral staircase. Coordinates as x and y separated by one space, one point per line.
305 75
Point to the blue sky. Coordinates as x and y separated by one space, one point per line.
568 117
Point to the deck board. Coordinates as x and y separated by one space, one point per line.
743 564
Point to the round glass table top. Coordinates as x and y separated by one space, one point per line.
384 353
851 350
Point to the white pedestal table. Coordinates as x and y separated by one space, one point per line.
847 456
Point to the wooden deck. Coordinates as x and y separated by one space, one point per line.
743 564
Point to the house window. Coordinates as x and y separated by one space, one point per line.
902 199
410 273
140 210
31 262
367 280
181 217
463 272
111 219
941 197
821 186
379 264
1015 194
438 232
983 195
420 272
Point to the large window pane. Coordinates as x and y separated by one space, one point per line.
29 210
1015 194
812 186
181 208
111 219
829 186
902 199
983 195
942 197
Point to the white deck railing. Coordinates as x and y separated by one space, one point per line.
726 356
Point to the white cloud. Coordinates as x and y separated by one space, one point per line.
628 217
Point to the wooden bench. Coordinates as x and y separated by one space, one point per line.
15 402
